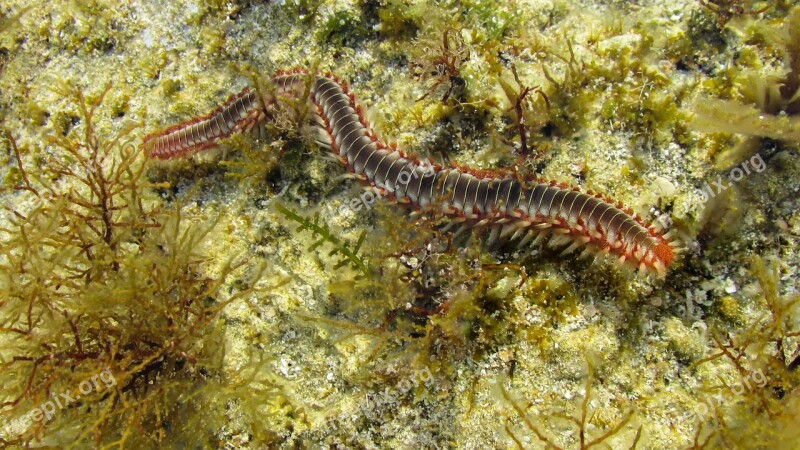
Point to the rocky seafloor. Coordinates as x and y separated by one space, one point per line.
250 297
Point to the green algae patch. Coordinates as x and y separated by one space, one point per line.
687 344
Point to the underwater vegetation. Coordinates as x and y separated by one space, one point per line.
322 231
725 10
585 440
9 17
97 278
760 402
250 296
761 105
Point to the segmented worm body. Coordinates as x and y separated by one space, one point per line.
239 113
529 210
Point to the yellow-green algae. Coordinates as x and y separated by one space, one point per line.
523 351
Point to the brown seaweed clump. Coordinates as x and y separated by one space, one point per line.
108 316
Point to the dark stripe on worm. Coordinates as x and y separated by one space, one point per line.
415 184
581 200
402 179
427 196
558 199
503 193
394 172
460 191
374 158
472 196
535 195
448 193
361 148
381 168
566 205
513 196
482 195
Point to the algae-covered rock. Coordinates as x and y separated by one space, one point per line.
255 296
